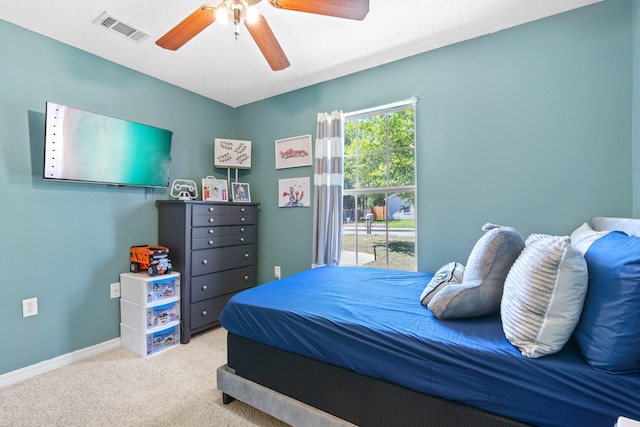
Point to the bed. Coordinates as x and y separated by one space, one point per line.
353 346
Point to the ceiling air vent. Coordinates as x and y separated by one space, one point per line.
113 24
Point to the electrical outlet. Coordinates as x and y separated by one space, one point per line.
276 271
115 290
29 307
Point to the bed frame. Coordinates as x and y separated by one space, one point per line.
306 392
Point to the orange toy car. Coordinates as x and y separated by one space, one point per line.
154 259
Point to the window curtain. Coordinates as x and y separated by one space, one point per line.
327 186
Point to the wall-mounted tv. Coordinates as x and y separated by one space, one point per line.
83 146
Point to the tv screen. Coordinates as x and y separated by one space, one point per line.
88 147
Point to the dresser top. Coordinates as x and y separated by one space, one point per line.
200 202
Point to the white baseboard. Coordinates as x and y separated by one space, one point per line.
58 362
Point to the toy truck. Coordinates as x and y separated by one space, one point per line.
154 259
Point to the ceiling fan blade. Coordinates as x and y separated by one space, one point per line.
349 9
190 26
267 43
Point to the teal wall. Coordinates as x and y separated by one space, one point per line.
530 127
635 25
65 242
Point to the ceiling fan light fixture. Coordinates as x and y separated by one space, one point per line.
223 15
251 15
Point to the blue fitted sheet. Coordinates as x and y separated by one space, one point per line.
371 321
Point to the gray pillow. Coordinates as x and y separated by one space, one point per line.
448 274
480 292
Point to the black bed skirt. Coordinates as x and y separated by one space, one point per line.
361 400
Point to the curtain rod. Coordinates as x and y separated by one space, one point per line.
404 102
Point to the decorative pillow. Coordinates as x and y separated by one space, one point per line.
608 333
480 292
449 274
544 295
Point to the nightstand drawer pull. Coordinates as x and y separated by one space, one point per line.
246 256
204 262
246 277
241 209
210 208
242 229
211 220
204 287
242 239
211 231
210 242
242 219
204 313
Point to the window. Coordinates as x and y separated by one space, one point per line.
379 218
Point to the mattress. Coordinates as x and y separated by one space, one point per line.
371 322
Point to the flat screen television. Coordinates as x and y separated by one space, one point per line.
82 146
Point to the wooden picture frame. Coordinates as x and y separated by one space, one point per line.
294 152
241 192
214 190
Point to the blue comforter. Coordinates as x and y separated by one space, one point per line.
371 321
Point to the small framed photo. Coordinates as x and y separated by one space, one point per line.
214 190
294 152
240 192
293 192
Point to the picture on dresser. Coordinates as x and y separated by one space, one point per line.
293 192
214 190
241 192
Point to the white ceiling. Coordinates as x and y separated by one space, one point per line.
319 48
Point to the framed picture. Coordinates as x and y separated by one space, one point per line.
293 193
214 190
294 152
240 192
232 153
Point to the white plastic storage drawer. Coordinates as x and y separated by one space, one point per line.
148 344
147 319
142 289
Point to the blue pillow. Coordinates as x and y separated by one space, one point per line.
608 333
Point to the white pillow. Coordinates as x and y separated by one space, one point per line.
448 274
543 295
584 236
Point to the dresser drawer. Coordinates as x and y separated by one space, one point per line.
241 219
242 210
209 220
210 285
208 232
206 312
213 260
211 209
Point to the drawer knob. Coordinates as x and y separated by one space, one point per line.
242 219
246 277
242 229
241 209
204 287
204 261
210 208
242 239
211 220
210 242
204 313
211 231
246 255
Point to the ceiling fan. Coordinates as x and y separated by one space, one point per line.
241 10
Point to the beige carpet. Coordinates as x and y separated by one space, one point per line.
118 388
